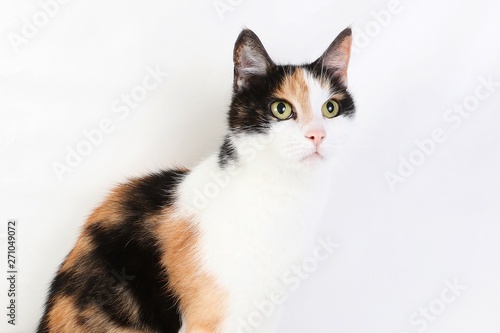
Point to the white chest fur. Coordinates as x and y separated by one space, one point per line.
253 228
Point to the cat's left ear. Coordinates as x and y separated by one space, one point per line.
336 58
250 59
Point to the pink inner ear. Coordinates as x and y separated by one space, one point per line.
341 62
338 60
251 61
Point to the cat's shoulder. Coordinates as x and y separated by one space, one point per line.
138 198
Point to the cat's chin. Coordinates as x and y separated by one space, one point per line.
314 157
313 160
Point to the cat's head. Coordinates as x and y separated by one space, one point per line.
295 115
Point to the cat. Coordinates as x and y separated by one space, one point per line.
197 250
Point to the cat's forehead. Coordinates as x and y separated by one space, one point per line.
306 91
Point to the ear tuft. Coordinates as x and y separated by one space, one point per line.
250 59
336 58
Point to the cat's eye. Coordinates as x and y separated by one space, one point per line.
281 110
331 108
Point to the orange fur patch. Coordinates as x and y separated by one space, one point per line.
83 245
338 96
201 299
110 212
64 317
294 90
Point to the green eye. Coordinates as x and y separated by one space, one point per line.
330 109
281 110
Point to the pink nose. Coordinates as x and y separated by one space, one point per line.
316 135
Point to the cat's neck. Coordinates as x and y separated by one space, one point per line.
254 159
210 182
278 174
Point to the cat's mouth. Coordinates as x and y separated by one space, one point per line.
314 156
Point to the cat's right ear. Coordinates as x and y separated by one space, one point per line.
250 59
335 60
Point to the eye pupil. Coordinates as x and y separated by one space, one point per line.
330 107
281 108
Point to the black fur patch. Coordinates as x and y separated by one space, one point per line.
250 107
153 192
125 265
132 257
227 152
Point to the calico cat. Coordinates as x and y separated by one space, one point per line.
197 250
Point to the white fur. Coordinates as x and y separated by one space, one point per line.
259 216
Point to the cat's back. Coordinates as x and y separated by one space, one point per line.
113 277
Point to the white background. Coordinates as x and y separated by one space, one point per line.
398 246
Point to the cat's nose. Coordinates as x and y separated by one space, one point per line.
316 135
